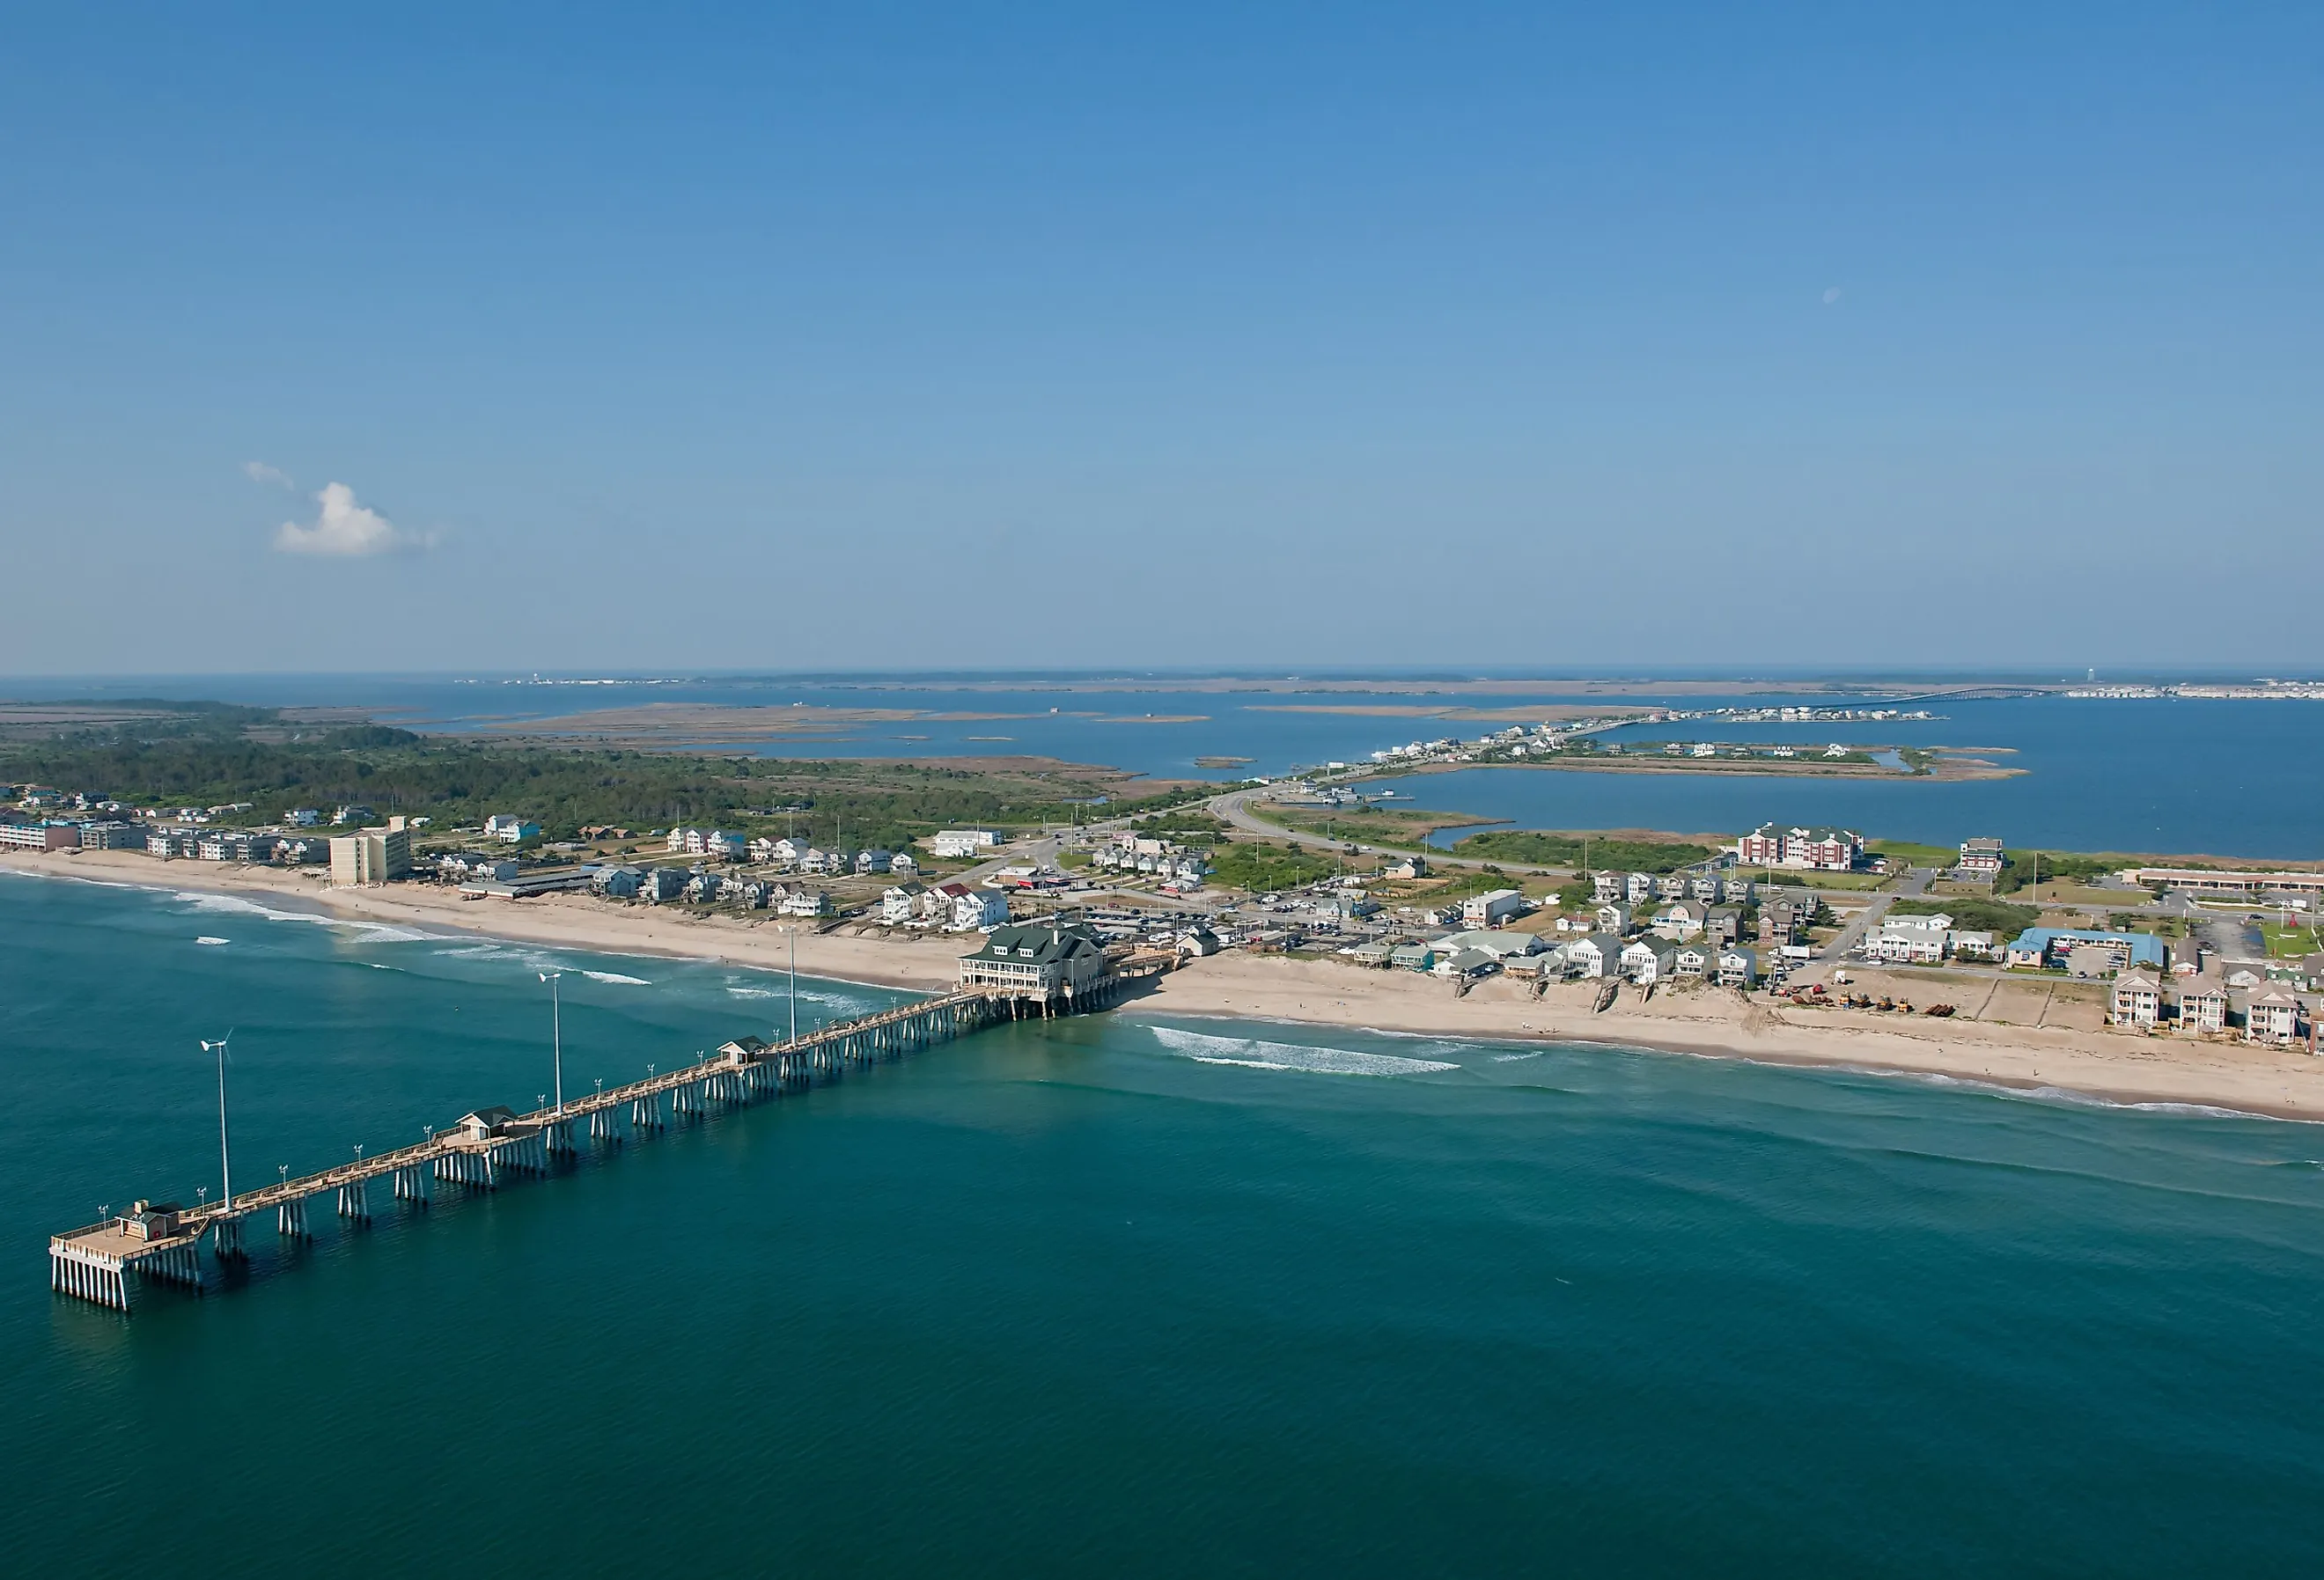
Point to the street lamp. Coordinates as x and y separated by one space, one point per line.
792 933
226 1168
557 1036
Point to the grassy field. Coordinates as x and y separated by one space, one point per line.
1850 882
1395 828
1904 852
2290 943
1535 849
1260 868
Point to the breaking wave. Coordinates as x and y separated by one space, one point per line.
377 932
1205 1048
617 978
207 939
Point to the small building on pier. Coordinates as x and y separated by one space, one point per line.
486 1122
148 1220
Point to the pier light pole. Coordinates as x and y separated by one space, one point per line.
226 1167
556 1037
792 933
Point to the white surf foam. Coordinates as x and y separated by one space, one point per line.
377 932
206 939
1253 1053
616 978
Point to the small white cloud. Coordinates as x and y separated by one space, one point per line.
344 527
260 472
1831 294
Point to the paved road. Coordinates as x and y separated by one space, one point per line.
1916 882
1234 809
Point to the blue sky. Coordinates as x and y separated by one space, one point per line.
1202 335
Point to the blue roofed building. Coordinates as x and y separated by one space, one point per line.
2044 947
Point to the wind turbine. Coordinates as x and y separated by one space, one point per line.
556 1036
226 1167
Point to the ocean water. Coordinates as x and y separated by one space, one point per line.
2163 776
1121 1296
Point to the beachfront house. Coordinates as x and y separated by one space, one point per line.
1413 957
901 902
805 901
1598 954
1738 968
658 885
2271 1014
1647 961
2202 1007
2137 1000
1691 960
1465 963
976 910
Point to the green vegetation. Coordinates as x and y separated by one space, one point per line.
1265 868
1905 853
210 756
2017 868
1461 884
1531 848
1391 827
2290 943
1579 895
2000 919
1187 825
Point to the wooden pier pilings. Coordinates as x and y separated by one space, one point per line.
104 1264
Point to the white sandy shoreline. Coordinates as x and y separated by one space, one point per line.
2107 1066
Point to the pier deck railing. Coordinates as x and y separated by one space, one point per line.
104 1262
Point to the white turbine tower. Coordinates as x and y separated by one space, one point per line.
226 1167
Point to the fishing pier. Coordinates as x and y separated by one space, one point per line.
107 1263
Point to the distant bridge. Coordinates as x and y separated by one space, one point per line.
106 1263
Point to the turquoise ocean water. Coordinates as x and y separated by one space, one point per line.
1122 1296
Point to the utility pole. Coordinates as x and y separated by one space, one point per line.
556 1037
226 1165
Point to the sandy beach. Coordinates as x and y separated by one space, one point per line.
1706 1022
